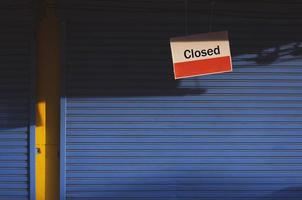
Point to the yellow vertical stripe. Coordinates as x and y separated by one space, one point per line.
40 144
47 129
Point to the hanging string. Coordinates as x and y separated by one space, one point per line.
211 15
186 17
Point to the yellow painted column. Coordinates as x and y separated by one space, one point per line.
48 106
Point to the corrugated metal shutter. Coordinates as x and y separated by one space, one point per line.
16 101
130 131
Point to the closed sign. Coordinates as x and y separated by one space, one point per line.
201 54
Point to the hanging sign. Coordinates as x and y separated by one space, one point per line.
201 54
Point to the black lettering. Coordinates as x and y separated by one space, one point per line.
186 55
204 52
197 53
217 50
210 52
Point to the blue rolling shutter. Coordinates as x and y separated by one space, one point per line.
16 101
130 131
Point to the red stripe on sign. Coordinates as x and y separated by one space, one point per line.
202 67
